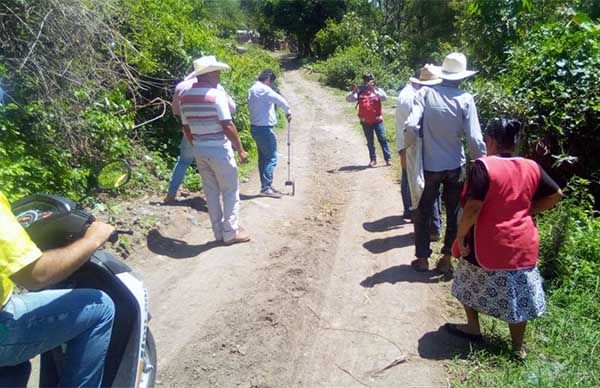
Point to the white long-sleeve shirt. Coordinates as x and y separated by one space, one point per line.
261 104
403 107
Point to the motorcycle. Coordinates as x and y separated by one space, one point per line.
52 221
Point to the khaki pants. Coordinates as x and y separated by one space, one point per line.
218 169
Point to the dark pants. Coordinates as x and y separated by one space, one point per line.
379 130
451 180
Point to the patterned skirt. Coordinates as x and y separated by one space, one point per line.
512 296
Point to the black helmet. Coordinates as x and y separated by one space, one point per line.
368 77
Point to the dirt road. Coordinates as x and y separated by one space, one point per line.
323 296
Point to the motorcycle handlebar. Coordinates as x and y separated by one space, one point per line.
115 235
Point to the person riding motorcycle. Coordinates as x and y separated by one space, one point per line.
35 322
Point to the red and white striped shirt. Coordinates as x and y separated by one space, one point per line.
202 108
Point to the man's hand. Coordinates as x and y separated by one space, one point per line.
289 117
55 265
355 89
98 232
463 247
243 157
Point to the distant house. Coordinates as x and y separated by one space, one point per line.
247 36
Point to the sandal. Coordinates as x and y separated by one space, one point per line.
452 328
420 265
444 267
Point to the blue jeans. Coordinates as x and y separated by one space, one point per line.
33 323
186 157
452 185
266 142
379 130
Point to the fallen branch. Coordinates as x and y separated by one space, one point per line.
396 362
354 330
37 39
351 375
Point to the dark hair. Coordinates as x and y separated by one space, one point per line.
504 131
266 74
368 77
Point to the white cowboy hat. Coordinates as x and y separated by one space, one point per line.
453 68
426 77
208 64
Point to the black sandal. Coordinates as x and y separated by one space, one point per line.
452 328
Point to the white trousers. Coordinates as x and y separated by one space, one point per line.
217 167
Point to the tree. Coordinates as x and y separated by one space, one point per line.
300 18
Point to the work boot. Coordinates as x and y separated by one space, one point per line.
241 236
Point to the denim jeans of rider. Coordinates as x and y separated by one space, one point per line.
451 181
218 169
266 143
186 157
35 322
372 130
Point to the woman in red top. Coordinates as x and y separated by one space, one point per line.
497 237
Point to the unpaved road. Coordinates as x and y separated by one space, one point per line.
323 296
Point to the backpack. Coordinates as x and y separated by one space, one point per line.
369 107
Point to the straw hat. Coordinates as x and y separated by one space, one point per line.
208 64
426 77
453 68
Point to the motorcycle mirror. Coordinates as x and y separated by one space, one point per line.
114 175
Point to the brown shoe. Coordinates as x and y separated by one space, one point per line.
241 236
420 265
388 162
169 198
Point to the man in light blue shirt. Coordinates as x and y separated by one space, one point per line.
447 115
262 100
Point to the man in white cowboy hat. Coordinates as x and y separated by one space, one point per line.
208 126
186 151
411 151
445 115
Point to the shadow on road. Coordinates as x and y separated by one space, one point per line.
380 245
246 197
352 168
196 203
290 62
441 345
176 249
398 274
385 224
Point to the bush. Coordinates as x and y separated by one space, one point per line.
551 84
109 67
347 66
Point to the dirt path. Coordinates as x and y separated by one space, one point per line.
322 297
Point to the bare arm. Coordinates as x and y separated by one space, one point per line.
232 134
57 264
546 203
470 213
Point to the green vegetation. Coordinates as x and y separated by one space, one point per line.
91 82
538 62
